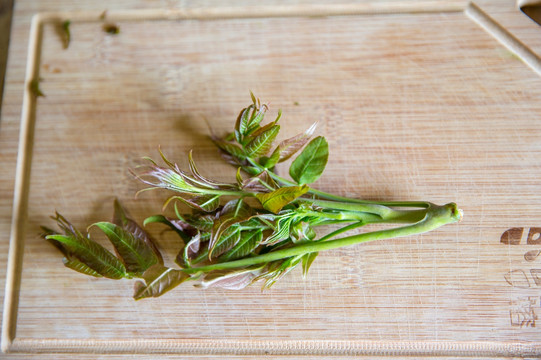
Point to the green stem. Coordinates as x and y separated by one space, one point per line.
436 216
341 230
325 195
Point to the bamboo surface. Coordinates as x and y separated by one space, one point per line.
427 100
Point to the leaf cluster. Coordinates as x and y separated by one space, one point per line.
234 234
227 222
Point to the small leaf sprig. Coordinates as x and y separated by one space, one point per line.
257 229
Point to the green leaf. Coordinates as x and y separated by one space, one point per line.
199 221
234 211
92 254
282 230
261 144
158 280
277 269
229 147
309 165
276 200
249 241
257 118
227 240
270 162
136 255
241 127
78 266
307 260
122 219
69 261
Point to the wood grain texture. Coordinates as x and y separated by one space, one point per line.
414 105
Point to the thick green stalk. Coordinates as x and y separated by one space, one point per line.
436 216
385 213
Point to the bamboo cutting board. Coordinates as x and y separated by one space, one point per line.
419 101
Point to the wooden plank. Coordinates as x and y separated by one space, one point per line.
436 107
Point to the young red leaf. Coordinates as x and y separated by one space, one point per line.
158 280
290 146
231 279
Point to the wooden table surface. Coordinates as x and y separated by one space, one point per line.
426 100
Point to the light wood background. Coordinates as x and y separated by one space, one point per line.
418 101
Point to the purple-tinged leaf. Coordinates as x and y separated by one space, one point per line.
228 239
262 129
92 255
191 249
158 280
231 279
262 143
231 160
203 223
290 146
230 148
134 252
182 228
248 242
69 260
262 182
67 227
276 200
203 180
165 178
124 220
233 212
206 203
